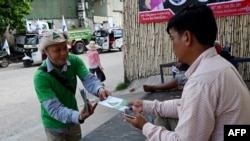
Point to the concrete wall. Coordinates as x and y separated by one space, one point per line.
110 9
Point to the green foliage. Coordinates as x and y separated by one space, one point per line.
13 12
73 26
121 86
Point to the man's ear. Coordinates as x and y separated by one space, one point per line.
186 37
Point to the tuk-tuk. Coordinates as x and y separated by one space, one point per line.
28 44
109 39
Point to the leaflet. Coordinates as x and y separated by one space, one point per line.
85 100
115 103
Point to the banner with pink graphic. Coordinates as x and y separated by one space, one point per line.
162 10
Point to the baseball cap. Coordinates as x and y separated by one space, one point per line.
53 37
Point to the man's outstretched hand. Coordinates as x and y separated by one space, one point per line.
84 115
139 121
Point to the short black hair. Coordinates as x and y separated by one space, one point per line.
197 18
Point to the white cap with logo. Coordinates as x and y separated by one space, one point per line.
53 37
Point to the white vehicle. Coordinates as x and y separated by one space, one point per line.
109 40
28 44
38 27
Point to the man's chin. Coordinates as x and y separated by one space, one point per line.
61 63
63 60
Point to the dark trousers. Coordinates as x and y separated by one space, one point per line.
99 73
72 133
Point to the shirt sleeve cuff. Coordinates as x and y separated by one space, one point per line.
146 129
97 90
147 106
75 117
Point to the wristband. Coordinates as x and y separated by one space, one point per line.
81 121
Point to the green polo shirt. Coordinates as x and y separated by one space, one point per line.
47 87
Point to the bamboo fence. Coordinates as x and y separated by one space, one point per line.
146 46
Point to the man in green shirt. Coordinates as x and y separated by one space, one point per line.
59 111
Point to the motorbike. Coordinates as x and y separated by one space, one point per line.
4 59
